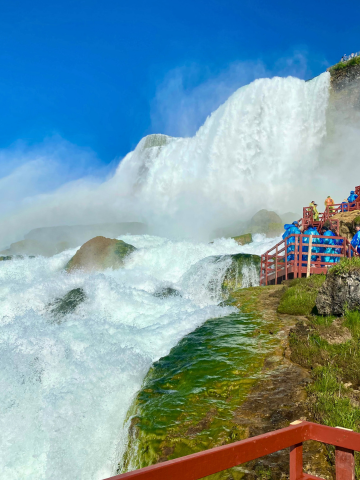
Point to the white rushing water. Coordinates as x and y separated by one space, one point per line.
260 149
66 386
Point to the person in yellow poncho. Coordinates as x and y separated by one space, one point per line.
313 205
329 202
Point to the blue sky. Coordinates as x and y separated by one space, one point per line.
102 74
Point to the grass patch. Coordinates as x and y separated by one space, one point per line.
345 266
334 394
300 295
342 65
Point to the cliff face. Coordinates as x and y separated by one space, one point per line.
345 87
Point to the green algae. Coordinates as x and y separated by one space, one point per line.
234 276
189 397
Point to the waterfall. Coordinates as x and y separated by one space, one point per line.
67 385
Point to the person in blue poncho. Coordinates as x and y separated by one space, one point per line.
344 207
355 242
291 229
352 197
327 232
311 230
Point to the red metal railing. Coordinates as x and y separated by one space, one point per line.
308 217
202 464
279 263
330 211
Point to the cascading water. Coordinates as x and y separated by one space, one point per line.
67 385
260 148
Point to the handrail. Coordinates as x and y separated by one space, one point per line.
214 460
289 256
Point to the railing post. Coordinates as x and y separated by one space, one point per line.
266 268
276 264
344 464
300 255
296 462
296 271
308 267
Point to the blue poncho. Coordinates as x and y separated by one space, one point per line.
326 241
290 230
352 197
355 242
311 231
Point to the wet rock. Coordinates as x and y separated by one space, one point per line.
67 304
267 222
5 258
243 239
243 272
100 253
346 223
338 293
167 292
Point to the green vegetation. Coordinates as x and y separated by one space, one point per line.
342 65
345 266
300 294
330 348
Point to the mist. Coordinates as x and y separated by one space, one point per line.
276 144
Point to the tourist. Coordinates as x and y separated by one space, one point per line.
355 242
329 202
351 198
344 205
291 229
327 232
313 205
311 230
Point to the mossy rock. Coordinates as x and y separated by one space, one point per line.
243 239
4 258
166 292
67 304
242 272
100 253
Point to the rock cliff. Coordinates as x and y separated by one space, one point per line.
339 293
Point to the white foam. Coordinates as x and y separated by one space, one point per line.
66 387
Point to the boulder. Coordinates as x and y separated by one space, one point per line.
243 239
346 222
290 217
166 292
100 253
338 293
267 222
67 304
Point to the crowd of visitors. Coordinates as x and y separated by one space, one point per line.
318 244
316 249
346 58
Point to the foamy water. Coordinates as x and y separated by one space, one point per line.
66 387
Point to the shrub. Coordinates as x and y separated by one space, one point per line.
345 266
300 295
342 65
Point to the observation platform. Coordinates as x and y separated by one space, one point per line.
281 263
